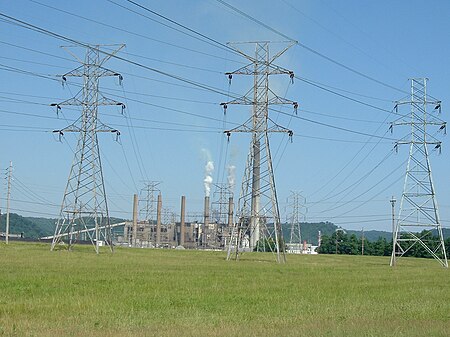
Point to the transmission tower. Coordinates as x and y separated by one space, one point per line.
257 212
220 211
148 201
296 203
84 206
418 220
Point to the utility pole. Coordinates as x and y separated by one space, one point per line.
8 198
393 225
418 218
84 205
362 241
257 212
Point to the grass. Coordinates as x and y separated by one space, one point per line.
140 292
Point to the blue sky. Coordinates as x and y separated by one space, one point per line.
347 176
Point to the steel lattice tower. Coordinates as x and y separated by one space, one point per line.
418 218
148 205
148 201
295 203
257 212
84 207
220 211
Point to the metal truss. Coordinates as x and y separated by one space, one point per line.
296 204
84 207
258 216
418 222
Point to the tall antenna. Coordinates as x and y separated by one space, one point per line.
418 220
84 205
296 204
257 212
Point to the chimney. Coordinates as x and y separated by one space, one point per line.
135 215
205 220
182 229
158 220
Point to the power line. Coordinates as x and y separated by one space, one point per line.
206 87
138 35
251 18
212 42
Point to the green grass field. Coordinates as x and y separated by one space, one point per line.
141 292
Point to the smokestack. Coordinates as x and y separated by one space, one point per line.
158 220
135 213
205 220
230 212
182 229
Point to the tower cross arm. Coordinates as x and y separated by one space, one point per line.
103 100
71 101
100 72
270 70
279 129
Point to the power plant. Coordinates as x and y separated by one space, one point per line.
170 231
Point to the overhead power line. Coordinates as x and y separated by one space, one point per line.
357 72
44 31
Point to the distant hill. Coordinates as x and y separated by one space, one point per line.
29 228
32 227
372 235
310 232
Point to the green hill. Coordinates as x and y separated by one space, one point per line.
27 226
31 227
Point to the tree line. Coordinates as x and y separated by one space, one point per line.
342 243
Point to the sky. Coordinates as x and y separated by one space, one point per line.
353 60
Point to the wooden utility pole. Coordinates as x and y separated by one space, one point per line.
8 201
394 232
362 241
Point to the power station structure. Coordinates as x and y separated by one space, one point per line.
297 213
84 206
258 217
418 222
187 230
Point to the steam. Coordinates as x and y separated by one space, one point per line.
209 168
231 176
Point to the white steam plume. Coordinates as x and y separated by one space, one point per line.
231 176
209 169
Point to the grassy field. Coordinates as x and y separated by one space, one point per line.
140 292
